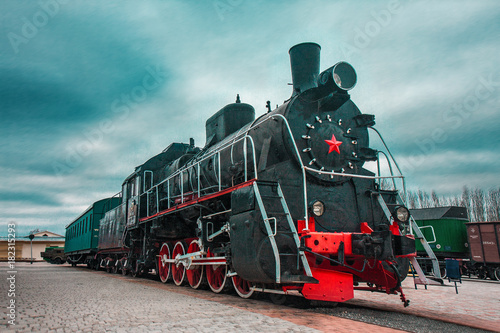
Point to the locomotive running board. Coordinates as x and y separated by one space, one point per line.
271 234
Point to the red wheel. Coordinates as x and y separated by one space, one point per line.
195 272
242 287
216 275
178 271
163 266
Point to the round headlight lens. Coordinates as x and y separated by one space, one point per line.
318 208
402 214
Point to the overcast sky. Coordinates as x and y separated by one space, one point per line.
90 89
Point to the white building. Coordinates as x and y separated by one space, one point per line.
41 240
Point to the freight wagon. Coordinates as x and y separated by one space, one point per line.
484 247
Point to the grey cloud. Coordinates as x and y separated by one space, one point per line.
61 85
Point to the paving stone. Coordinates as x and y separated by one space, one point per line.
74 300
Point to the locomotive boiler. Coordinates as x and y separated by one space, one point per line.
281 203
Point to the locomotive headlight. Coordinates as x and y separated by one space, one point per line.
340 77
402 214
318 208
344 75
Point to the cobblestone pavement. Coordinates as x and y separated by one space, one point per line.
53 298
477 304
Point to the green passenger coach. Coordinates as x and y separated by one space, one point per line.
445 230
82 234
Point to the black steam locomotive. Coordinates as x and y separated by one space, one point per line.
279 204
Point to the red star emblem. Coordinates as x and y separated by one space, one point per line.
334 144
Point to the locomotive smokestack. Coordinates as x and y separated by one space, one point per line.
304 60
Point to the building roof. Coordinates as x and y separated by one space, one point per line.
40 236
47 233
437 213
35 240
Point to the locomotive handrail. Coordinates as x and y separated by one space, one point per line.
302 167
256 123
333 173
393 160
387 148
388 163
218 174
414 228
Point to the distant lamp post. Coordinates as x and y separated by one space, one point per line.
31 236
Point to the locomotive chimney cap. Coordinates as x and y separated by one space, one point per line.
305 44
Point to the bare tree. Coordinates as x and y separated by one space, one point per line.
480 206
455 201
478 202
493 205
420 197
412 199
427 200
435 199
465 201
386 184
